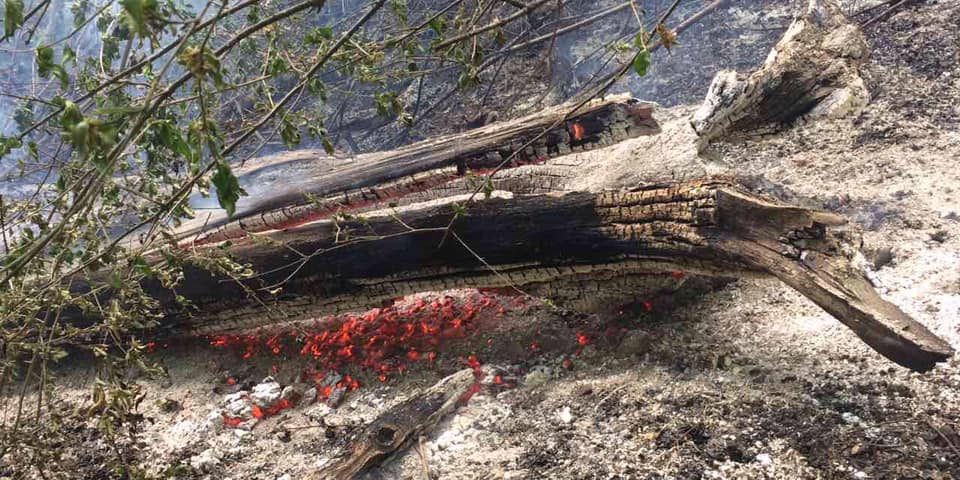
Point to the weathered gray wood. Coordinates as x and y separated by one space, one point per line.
279 185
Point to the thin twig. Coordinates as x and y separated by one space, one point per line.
884 14
490 26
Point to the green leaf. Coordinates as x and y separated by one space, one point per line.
115 280
141 265
203 63
641 63
23 116
68 56
168 135
138 14
228 188
117 110
387 103
253 15
317 36
277 65
400 9
111 49
12 16
45 62
437 24
71 115
61 74
459 209
290 133
79 11
488 187
103 21
46 66
316 87
8 144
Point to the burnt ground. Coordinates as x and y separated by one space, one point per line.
748 380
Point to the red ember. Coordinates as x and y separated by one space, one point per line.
232 422
466 396
380 340
578 131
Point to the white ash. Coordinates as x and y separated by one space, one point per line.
266 393
564 415
206 461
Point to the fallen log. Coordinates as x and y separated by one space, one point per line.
708 227
304 185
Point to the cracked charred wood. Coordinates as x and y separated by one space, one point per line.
294 187
397 427
812 72
708 227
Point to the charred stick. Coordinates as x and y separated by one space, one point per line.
401 425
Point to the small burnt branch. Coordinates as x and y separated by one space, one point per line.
400 425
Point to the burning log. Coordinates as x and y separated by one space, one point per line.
813 71
396 428
296 187
377 230
547 243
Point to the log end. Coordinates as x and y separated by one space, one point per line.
811 252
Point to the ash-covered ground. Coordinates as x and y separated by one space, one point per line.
749 380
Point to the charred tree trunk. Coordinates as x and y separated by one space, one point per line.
708 227
813 71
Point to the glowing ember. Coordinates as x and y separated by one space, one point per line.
677 274
577 131
260 413
647 306
381 340
473 362
466 396
232 422
582 339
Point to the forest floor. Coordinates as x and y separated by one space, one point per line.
749 380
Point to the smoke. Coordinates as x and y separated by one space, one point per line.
681 74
